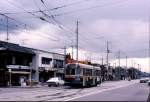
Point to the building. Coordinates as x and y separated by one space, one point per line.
49 65
14 63
20 64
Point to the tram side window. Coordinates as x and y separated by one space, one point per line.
88 72
94 72
84 72
97 72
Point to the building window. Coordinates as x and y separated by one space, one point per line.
58 63
46 60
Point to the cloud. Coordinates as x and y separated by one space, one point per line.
125 26
126 35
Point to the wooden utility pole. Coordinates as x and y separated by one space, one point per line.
7 29
77 40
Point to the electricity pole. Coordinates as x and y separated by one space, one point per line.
7 34
77 40
126 62
64 56
72 51
7 29
107 61
77 47
102 60
119 58
149 52
65 59
126 66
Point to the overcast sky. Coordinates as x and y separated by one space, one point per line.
124 23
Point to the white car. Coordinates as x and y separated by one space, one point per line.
55 81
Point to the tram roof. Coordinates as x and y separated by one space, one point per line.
85 66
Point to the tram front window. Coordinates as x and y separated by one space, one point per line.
70 71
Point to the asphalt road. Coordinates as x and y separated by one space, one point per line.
107 91
135 92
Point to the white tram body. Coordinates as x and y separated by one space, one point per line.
77 74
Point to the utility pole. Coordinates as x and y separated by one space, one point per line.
102 60
7 29
119 58
126 66
77 47
64 59
64 56
139 70
149 51
126 62
72 51
77 40
107 61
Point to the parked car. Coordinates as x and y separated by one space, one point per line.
55 81
148 83
144 80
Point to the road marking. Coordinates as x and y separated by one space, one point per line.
103 90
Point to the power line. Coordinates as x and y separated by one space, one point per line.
52 9
26 25
89 8
41 18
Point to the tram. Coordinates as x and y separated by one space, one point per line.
77 74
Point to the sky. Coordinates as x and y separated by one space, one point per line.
51 24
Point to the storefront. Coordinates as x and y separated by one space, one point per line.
14 63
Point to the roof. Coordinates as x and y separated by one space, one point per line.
84 66
45 51
15 47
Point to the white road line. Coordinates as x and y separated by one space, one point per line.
103 90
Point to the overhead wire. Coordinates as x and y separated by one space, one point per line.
48 17
41 18
24 25
55 8
89 8
53 17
